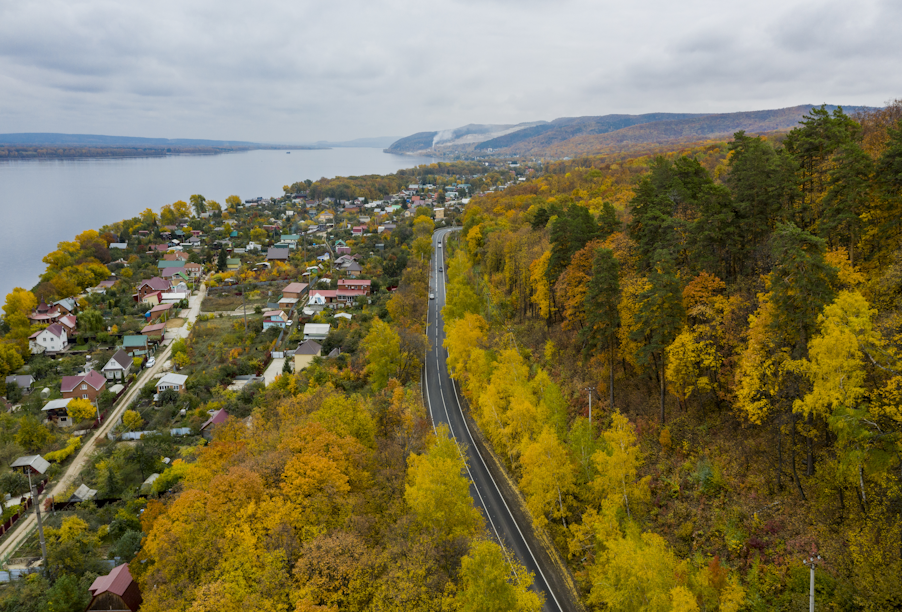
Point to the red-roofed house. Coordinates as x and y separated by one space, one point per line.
176 256
53 339
154 332
295 290
69 322
115 591
150 285
358 230
44 314
355 283
161 312
220 416
87 386
153 299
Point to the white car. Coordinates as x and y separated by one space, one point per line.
431 296
151 363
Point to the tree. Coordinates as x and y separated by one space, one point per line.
10 361
690 360
437 491
383 353
258 234
33 435
848 196
494 582
168 215
547 476
132 420
198 203
13 483
659 319
214 207
569 233
618 464
233 202
602 314
81 410
91 320
148 217
68 594
70 549
181 209
221 263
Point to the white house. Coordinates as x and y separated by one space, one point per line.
52 339
118 367
275 318
172 381
316 331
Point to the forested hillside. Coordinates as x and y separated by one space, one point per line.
732 313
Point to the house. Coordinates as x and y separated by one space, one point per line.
69 323
115 591
154 332
174 297
304 354
66 305
233 263
135 346
149 286
161 312
24 382
287 303
52 339
153 299
295 290
275 318
358 230
352 269
57 412
326 217
439 213
356 284
83 493
175 274
316 331
277 254
176 256
220 416
172 381
85 386
44 314
170 263
193 270
343 250
118 367
290 238
119 245
321 298
347 296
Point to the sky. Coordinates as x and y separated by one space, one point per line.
300 71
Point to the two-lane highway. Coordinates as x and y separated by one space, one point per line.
444 407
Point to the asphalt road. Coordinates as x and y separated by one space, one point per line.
444 407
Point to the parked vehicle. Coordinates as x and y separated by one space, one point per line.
150 363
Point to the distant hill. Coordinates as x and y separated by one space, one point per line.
97 140
467 136
379 142
570 136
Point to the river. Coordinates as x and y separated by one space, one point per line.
44 202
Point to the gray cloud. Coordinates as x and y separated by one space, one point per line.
278 71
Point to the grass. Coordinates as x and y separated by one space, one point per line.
173 323
228 303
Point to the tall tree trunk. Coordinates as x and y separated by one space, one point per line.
809 467
611 383
792 459
779 457
663 388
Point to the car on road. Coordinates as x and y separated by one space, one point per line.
431 296
151 363
440 269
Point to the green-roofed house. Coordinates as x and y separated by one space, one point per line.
233 263
135 346
162 264
290 238
233 234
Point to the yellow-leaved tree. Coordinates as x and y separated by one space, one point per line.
617 466
548 477
494 582
81 410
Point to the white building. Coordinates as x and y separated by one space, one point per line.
52 339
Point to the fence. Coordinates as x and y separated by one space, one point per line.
26 504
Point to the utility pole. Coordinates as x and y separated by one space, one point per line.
37 512
811 562
590 390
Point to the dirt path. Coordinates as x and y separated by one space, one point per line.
25 526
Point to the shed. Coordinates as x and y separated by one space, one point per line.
316 331
33 463
115 591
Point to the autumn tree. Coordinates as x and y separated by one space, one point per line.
438 492
548 476
602 315
199 204
659 319
492 581
81 409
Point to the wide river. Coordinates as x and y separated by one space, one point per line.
46 202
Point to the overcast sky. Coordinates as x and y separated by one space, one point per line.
299 70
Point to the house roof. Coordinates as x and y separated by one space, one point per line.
308 347
69 321
93 378
23 380
149 329
277 254
344 282
352 266
218 417
156 284
116 582
170 263
34 462
83 493
316 328
57 404
120 358
172 379
56 329
67 303
131 341
274 313
171 272
161 308
295 288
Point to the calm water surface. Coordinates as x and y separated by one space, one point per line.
45 202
